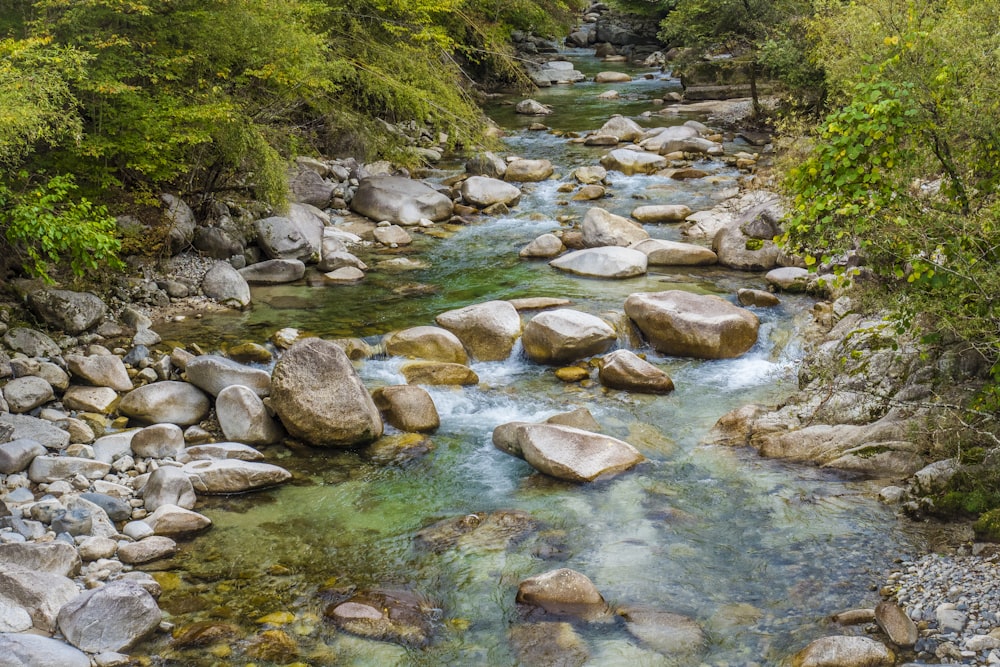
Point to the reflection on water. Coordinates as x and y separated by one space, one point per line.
758 552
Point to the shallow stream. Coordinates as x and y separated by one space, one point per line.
758 552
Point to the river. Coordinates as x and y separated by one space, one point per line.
758 552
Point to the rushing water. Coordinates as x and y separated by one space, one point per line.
758 552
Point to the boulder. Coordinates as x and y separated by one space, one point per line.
214 451
309 187
392 235
896 624
46 469
756 297
159 441
592 175
486 164
565 335
168 485
602 228
738 250
40 594
399 200
408 408
170 402
100 370
224 284
631 162
101 400
31 343
280 238
24 394
401 617
51 557
244 418
683 324
147 550
72 312
42 431
528 171
564 592
844 651
114 617
213 373
548 644
656 213
479 530
480 191
345 275
319 397
673 253
612 77
545 246
566 452
174 520
181 222
438 373
274 272
531 107
425 342
17 455
111 447
788 279
24 650
606 262
665 632
487 330
623 369
233 475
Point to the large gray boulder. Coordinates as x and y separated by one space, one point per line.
42 431
100 370
481 192
168 485
170 401
46 469
224 284
226 476
674 253
529 171
621 128
181 222
40 594
607 262
693 325
213 373
24 394
280 238
309 187
30 342
244 418
631 162
425 342
52 557
530 107
73 312
566 452
603 228
565 335
400 200
738 251
159 441
319 397
24 650
486 164
487 330
623 369
17 455
174 520
114 617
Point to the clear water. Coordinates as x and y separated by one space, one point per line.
758 552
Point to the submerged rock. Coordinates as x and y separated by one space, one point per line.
844 651
479 530
550 643
401 617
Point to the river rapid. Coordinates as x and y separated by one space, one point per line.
758 552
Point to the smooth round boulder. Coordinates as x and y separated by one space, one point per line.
113 617
612 77
281 238
73 312
528 171
607 262
24 394
170 402
213 373
159 441
400 200
590 175
17 455
788 278
233 475
844 651
620 127
545 246
564 335
630 162
168 485
530 107
673 253
683 324
569 453
319 397
174 520
147 550
26 650
756 297
487 330
408 408
438 373
563 592
480 191
603 228
224 284
623 369
392 236
656 213
244 418
426 342
100 370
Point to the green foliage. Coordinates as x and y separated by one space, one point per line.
987 526
47 225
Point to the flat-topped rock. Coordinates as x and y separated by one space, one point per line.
674 253
607 262
213 373
233 475
564 335
400 200
570 453
630 162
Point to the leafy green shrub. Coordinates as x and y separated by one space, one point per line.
987 526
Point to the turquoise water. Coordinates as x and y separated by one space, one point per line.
757 552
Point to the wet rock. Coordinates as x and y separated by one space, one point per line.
319 397
572 454
528 171
345 275
213 373
531 107
204 633
550 644
425 342
31 343
100 370
580 418
630 162
400 201
24 650
244 418
756 297
480 191
673 253
896 624
274 272
408 408
564 335
39 594
563 592
620 127
607 262
168 485
171 520
691 325
72 312
224 284
591 175
661 213
401 617
438 373
844 651
272 646
17 455
487 330
670 634
166 402
590 193
159 441
114 617
479 530
47 469
602 228
24 394
623 369
233 475
545 246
